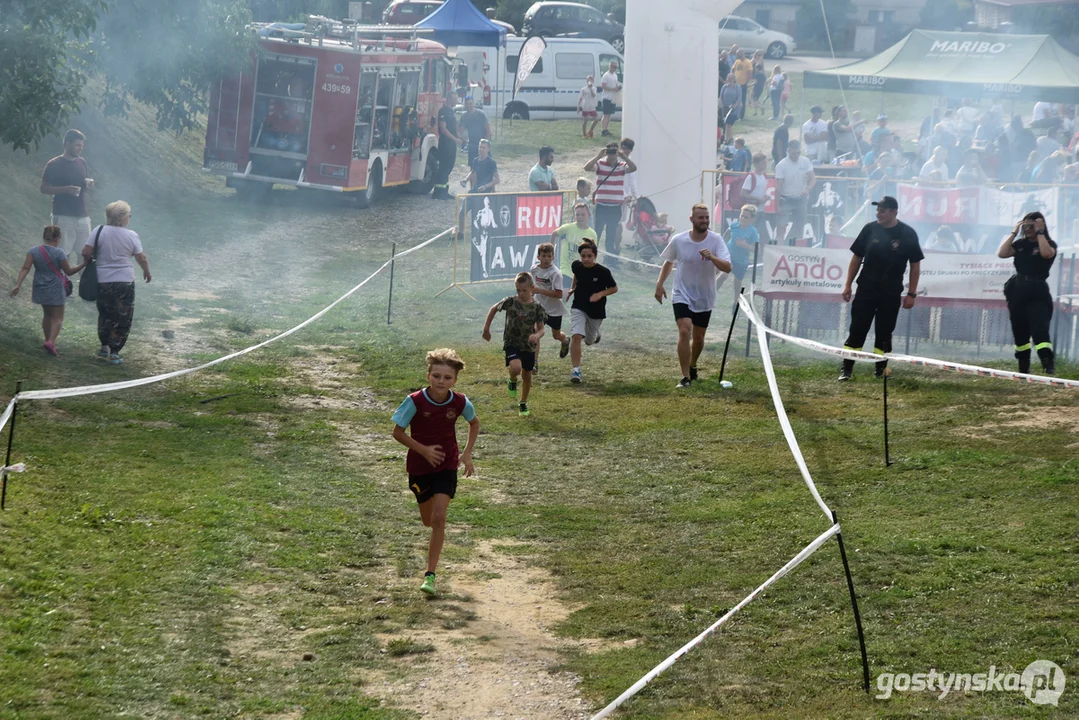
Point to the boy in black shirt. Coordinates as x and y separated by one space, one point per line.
592 283
882 251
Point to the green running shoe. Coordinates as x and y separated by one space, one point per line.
512 386
524 410
428 585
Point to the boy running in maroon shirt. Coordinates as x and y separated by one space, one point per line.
432 459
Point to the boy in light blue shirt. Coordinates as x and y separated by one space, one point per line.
741 236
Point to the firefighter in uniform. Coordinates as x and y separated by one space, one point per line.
882 251
447 146
1030 304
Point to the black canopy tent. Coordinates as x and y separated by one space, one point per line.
957 64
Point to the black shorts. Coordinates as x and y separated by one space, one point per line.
425 487
607 107
554 322
527 358
699 319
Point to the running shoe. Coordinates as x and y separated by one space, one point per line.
512 387
565 348
683 383
524 410
103 353
428 584
575 376
693 373
115 359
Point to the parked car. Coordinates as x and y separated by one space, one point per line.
409 12
567 18
750 35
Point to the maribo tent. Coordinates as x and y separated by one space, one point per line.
958 64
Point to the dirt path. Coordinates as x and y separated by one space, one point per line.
500 665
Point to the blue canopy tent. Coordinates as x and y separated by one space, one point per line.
459 22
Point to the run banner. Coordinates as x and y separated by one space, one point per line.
980 205
819 274
506 229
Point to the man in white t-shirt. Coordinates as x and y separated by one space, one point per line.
967 117
936 163
794 180
815 136
700 256
610 86
1044 117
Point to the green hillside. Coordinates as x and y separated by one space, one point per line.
129 160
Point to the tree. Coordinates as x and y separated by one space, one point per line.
166 53
812 30
44 60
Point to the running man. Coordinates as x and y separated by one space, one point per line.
700 255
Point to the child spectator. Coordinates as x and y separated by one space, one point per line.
571 235
587 102
432 459
584 195
592 283
524 327
742 235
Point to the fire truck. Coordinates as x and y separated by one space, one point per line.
351 111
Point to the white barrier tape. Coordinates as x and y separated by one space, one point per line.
781 412
640 684
908 359
638 262
111 387
7 414
16 468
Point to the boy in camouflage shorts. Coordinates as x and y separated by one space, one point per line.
524 327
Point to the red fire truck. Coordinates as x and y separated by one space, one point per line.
352 115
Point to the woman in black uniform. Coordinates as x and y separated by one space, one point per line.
1030 305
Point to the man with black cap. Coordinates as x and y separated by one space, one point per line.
882 251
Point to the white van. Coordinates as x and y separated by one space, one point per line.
551 91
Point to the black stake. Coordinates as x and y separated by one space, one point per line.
887 456
389 305
10 440
854 604
734 318
753 281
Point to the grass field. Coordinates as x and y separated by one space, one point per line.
241 543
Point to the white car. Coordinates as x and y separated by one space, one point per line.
751 36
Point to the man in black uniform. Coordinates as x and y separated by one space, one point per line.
882 250
1030 304
447 146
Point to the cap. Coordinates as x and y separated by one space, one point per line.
887 202
882 116
816 109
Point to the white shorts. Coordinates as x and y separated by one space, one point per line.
75 233
582 324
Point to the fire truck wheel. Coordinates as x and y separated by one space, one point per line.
425 186
365 198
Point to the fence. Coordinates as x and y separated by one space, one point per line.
979 218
